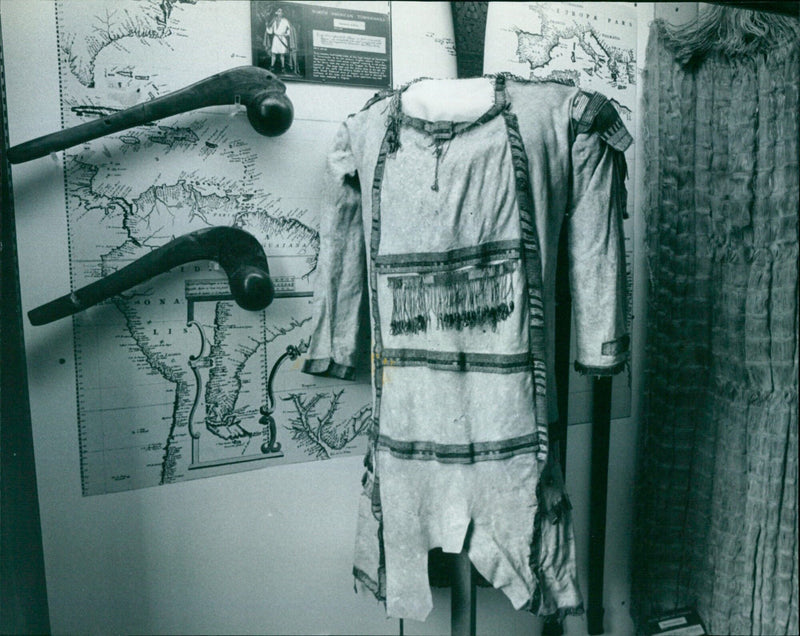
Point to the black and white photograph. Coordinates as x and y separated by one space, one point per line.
379 317
277 32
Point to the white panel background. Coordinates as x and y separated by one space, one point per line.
266 551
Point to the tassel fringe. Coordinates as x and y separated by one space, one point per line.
732 32
475 297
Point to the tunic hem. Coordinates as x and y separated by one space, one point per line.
327 367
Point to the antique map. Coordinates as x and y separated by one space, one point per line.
592 47
174 380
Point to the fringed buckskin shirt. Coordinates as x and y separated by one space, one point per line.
447 198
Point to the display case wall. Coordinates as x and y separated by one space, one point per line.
261 551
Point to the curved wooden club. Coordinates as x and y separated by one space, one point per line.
268 108
237 252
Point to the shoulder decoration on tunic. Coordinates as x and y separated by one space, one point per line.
592 112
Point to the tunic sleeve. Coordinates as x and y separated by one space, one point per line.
339 291
598 276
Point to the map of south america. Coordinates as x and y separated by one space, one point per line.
173 378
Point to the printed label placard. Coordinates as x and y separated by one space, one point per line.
316 43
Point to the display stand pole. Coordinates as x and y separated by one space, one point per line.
601 431
558 431
462 597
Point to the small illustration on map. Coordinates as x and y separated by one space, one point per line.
219 372
315 428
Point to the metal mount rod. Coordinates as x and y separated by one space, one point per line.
601 433
462 597
558 431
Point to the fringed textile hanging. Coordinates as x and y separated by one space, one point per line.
716 515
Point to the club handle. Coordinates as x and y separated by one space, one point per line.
269 110
238 253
